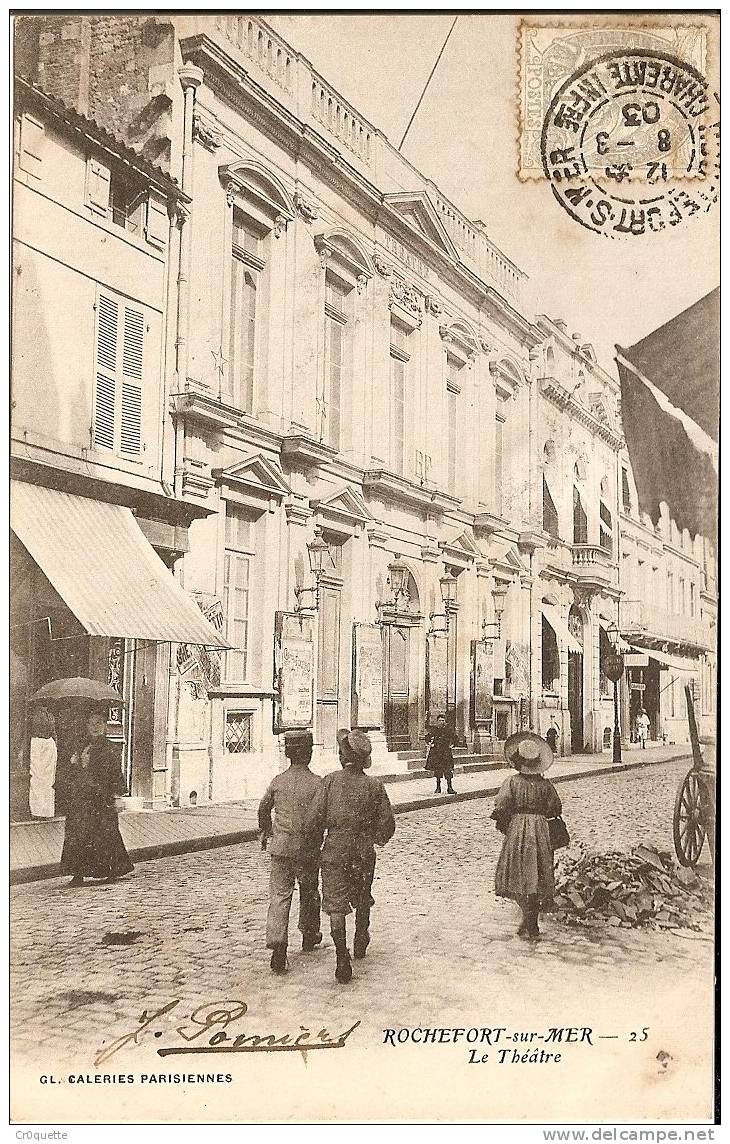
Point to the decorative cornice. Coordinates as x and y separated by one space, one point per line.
404 295
560 396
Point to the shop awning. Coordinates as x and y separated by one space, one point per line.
106 572
674 661
561 629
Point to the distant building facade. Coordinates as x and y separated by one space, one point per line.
360 394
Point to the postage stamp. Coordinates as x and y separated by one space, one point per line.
550 54
630 143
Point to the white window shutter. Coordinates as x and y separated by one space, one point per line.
32 137
132 376
98 185
158 223
107 336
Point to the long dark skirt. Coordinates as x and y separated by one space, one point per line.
92 845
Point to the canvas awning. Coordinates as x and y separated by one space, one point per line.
103 568
561 629
670 393
675 662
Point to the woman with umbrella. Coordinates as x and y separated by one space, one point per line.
93 846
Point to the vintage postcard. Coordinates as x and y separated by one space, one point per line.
363 604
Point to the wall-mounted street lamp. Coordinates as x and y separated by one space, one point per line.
494 633
397 582
319 554
447 584
614 669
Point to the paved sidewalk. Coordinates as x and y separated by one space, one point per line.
35 847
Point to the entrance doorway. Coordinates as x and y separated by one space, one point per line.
644 692
575 683
397 659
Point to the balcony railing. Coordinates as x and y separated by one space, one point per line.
647 619
591 556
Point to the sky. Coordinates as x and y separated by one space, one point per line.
464 138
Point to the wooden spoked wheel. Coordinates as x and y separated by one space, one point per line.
689 824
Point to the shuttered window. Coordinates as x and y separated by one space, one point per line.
120 333
247 265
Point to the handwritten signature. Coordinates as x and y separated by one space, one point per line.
209 1026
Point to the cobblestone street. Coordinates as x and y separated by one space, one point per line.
444 953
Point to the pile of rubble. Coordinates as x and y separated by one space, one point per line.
646 888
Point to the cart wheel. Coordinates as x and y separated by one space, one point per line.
689 829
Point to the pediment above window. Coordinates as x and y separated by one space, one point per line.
508 377
256 480
461 548
252 181
419 213
344 505
461 337
347 250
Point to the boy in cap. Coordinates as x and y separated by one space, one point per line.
354 810
289 796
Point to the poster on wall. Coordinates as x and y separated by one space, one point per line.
367 676
482 682
293 672
436 677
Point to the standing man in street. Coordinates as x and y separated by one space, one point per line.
354 811
289 797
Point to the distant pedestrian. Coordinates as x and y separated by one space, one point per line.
43 759
643 727
93 846
354 812
289 797
523 805
552 736
440 758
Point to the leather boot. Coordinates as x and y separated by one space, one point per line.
343 969
310 941
438 787
278 958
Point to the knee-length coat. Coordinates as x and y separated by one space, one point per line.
525 865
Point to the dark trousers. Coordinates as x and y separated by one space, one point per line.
285 872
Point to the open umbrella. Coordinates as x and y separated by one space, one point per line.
670 394
77 689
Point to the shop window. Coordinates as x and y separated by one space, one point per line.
550 658
238 560
337 356
120 364
247 265
238 732
549 512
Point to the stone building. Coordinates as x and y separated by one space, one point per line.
95 523
409 488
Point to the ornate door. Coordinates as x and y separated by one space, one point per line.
575 699
397 655
328 666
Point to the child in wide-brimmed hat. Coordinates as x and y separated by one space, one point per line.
522 808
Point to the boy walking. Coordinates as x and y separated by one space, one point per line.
289 796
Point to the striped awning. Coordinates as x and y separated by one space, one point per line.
559 626
104 569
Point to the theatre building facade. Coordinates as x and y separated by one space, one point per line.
400 491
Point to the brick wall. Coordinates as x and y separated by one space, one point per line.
115 69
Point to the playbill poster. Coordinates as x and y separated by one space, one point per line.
365 343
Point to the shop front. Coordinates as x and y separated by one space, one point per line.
91 597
